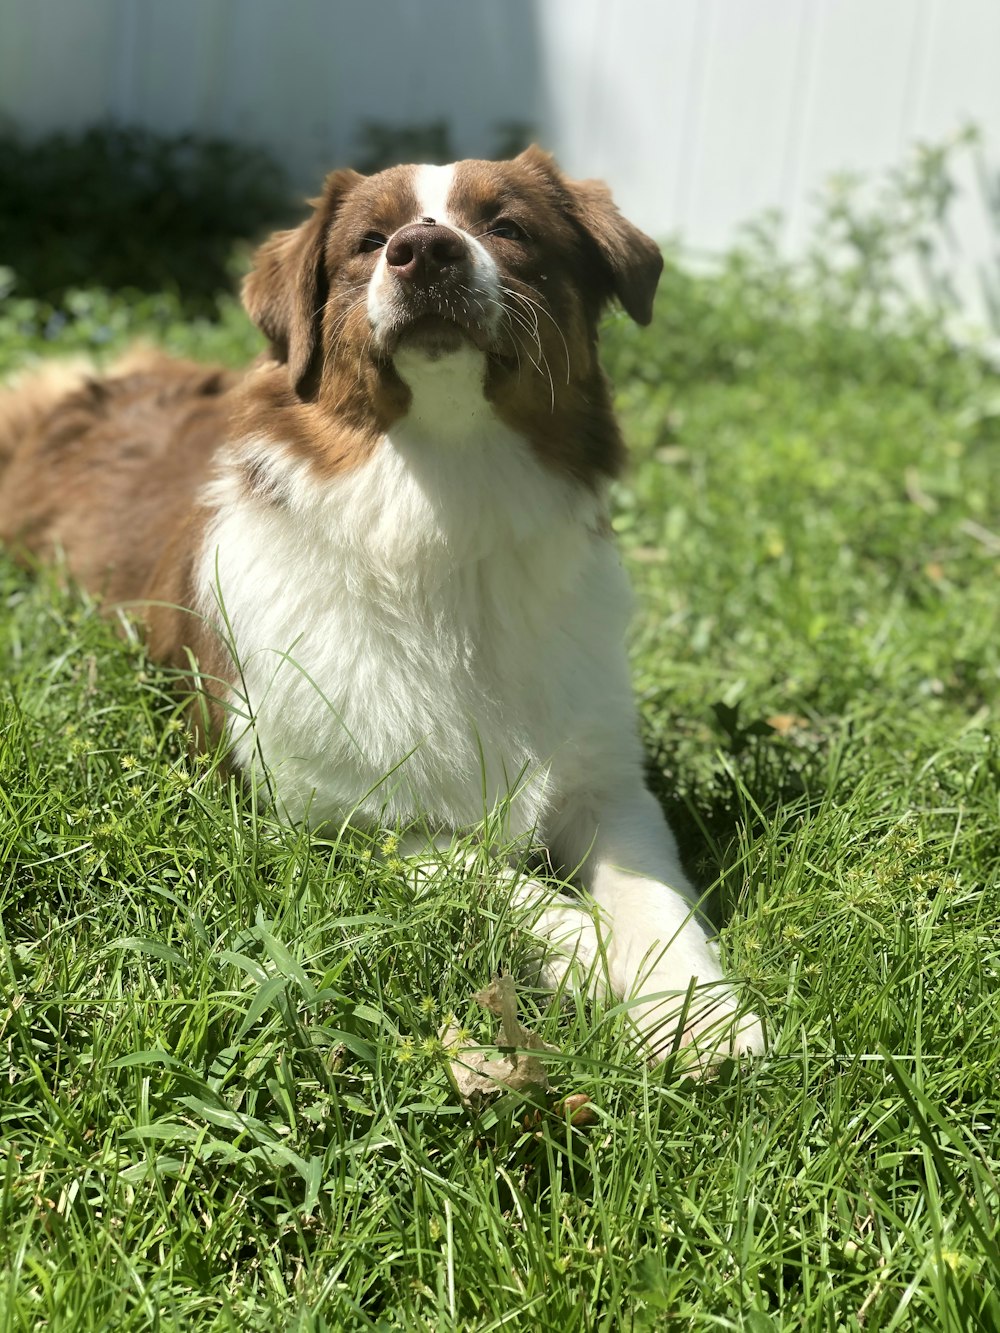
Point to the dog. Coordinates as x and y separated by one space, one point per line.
387 545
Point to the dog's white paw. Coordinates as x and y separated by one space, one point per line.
675 997
568 957
703 1026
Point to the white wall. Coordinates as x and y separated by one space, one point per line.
700 113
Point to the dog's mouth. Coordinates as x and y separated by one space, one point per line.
436 335
438 323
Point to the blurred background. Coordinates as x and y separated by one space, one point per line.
701 114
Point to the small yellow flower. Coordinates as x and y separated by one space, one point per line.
405 1052
774 545
955 1260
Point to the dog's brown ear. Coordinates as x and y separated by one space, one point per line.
285 291
632 260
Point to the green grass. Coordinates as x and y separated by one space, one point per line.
223 1100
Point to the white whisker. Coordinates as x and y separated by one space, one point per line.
538 307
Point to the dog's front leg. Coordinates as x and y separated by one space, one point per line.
657 949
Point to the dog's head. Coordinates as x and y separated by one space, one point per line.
510 260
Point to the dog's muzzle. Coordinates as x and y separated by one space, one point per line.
434 293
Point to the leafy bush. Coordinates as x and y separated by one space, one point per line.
868 300
130 209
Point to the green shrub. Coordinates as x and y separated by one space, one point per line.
129 209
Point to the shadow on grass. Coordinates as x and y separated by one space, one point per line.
713 812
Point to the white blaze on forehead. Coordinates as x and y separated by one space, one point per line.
432 187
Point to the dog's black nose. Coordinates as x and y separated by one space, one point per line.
420 251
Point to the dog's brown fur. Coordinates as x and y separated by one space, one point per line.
104 470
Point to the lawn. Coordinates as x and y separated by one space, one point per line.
225 1101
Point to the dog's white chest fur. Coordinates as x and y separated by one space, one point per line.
427 634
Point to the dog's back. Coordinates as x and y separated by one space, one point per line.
29 399
99 470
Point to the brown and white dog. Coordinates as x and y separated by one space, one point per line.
387 545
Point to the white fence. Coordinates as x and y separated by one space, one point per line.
700 113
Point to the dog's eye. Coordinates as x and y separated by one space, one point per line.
370 242
506 229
